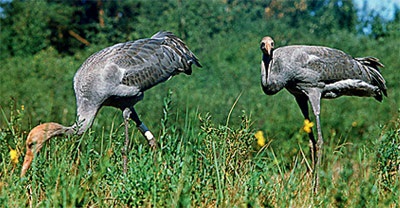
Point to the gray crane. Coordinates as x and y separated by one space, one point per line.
118 76
314 72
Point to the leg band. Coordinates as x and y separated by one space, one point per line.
142 128
145 131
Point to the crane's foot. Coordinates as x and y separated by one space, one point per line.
315 173
153 144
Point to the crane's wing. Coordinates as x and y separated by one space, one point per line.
337 72
331 65
151 61
145 62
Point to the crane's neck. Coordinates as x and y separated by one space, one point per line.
273 79
265 63
43 132
86 111
85 117
266 59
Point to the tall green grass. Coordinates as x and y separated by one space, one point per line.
200 164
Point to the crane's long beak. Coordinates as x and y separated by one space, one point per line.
266 49
27 161
34 143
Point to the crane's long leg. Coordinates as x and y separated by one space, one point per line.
131 113
302 102
143 128
126 145
315 100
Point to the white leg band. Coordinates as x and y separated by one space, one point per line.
149 135
145 131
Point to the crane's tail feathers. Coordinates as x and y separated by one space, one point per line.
370 61
371 65
178 44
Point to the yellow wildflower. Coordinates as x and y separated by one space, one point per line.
22 107
354 124
14 156
260 138
307 125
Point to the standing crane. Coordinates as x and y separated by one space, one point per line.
118 76
310 73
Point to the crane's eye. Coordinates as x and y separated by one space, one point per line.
272 44
262 46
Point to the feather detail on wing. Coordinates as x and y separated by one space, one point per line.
178 46
154 60
334 65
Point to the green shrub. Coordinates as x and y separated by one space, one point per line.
388 158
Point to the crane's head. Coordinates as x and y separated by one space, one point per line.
267 45
36 137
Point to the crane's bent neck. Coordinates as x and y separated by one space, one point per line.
44 132
272 77
85 116
265 64
266 59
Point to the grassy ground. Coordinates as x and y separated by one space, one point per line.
200 164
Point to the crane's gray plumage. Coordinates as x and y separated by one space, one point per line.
317 66
314 72
118 76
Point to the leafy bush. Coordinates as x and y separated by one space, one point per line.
388 158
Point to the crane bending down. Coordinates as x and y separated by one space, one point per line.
314 72
118 76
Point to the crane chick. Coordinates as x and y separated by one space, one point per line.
118 76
